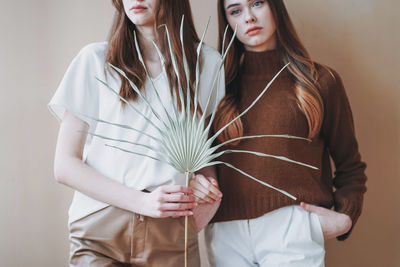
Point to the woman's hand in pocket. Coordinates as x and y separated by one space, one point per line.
333 223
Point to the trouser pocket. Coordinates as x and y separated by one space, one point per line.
165 242
316 229
104 234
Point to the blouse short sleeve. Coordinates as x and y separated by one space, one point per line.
78 91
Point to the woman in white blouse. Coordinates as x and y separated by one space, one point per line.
127 209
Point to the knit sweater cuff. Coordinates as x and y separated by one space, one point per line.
353 210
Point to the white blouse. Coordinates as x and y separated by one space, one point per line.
81 94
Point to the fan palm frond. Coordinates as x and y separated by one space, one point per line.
184 135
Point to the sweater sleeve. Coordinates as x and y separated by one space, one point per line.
339 134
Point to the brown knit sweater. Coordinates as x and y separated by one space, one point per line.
277 112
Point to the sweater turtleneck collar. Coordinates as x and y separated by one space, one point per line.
261 64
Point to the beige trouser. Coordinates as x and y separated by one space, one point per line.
116 237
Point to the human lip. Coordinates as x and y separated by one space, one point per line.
138 9
253 30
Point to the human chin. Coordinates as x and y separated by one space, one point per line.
139 20
249 40
255 44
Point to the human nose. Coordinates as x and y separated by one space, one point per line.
249 17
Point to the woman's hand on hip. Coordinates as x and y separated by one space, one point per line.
205 189
333 223
169 201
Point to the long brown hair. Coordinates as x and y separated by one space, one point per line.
301 67
122 52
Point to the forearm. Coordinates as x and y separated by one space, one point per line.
76 174
204 212
69 169
349 203
350 188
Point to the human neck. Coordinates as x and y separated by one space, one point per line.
146 37
261 64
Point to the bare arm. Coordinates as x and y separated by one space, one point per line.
70 170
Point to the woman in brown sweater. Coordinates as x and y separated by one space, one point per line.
255 225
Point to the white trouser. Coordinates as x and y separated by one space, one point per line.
287 237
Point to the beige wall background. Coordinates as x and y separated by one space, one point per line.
358 38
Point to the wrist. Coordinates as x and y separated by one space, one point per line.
347 222
137 201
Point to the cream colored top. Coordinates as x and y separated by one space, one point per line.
80 93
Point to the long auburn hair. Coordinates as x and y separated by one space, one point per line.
122 53
301 68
